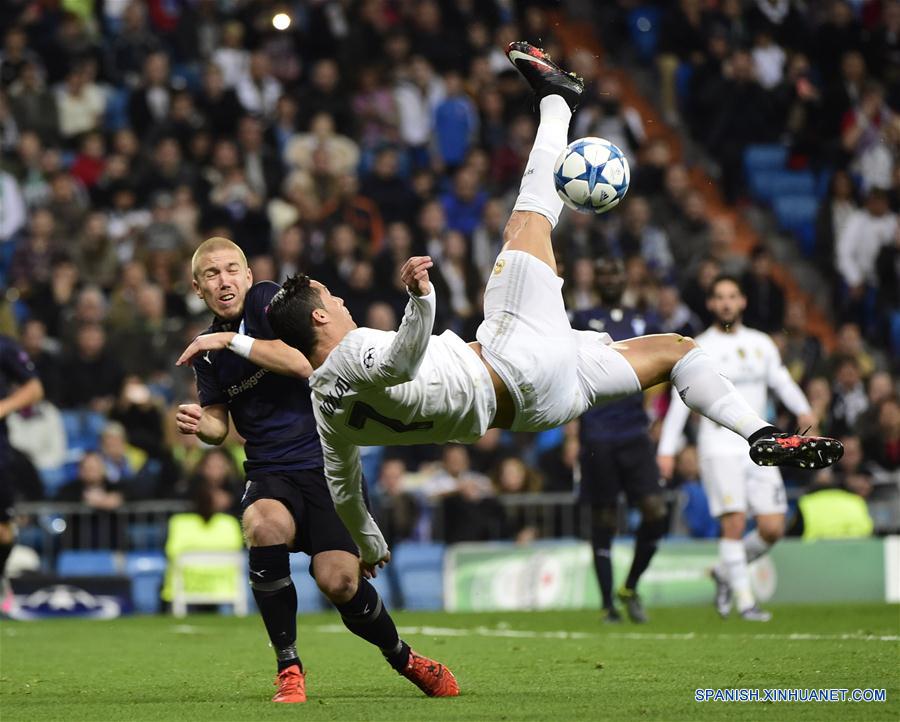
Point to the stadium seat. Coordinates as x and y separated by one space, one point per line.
764 157
86 563
797 214
146 536
420 567
54 479
309 598
147 571
82 432
766 185
644 25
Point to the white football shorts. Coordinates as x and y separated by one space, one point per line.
733 482
554 373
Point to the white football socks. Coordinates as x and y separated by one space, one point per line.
734 562
538 192
754 547
706 391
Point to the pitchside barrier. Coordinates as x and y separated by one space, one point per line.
61 543
560 574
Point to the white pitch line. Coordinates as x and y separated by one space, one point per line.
639 636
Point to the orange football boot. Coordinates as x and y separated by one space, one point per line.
291 684
433 678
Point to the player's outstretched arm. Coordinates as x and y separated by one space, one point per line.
399 361
343 472
673 425
271 354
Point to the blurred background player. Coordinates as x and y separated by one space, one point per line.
616 454
19 388
750 359
286 505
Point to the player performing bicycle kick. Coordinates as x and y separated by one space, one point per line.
527 371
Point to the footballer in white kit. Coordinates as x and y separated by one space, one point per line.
734 486
527 371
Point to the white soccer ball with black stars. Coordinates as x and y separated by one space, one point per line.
591 175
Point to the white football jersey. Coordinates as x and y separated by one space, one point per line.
750 360
394 388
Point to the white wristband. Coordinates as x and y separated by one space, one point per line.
241 345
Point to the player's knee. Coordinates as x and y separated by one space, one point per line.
653 509
604 518
339 585
681 345
771 532
266 525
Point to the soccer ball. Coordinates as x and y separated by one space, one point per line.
591 175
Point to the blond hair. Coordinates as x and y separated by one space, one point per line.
216 243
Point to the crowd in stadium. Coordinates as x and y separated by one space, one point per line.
371 130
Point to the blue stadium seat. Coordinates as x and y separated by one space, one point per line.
644 25
797 214
82 432
87 563
309 598
54 479
146 536
147 571
420 567
770 184
764 157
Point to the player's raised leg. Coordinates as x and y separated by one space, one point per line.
538 206
269 529
671 357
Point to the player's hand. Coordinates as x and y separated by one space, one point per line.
414 275
187 418
370 570
666 466
202 344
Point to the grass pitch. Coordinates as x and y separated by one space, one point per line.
522 666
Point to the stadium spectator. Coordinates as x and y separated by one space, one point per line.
849 394
765 299
258 90
100 528
674 316
800 351
44 354
92 372
80 103
883 445
513 476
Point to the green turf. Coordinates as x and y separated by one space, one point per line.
219 668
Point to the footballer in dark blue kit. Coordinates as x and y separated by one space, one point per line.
244 373
20 387
617 454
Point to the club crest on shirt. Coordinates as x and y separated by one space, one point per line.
498 267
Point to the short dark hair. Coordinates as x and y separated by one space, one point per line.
290 313
724 277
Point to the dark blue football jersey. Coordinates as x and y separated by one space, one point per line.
15 369
272 412
625 418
